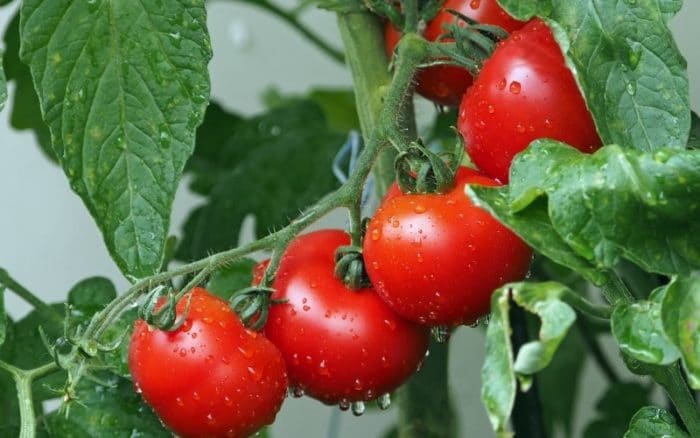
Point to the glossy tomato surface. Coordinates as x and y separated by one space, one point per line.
524 92
445 85
340 345
212 377
436 259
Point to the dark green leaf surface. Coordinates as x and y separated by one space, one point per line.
651 422
232 278
107 412
628 65
123 86
91 295
680 312
26 113
612 204
271 167
337 104
639 332
616 408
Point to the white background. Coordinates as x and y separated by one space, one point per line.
49 242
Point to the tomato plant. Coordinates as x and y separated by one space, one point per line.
523 92
588 153
436 258
445 85
340 345
211 376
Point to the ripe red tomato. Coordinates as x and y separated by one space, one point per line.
524 92
437 258
445 85
212 377
340 345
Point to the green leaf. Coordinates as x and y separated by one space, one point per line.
90 296
271 167
651 422
630 69
123 86
231 278
26 113
639 332
615 409
498 383
612 204
3 85
499 370
337 104
115 411
680 312
534 227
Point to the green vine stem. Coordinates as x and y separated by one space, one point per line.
23 381
292 19
677 389
29 297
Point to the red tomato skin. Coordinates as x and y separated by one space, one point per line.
524 92
212 377
445 85
339 345
436 259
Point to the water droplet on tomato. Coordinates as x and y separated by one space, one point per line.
419 257
255 373
501 84
179 402
376 234
474 4
228 401
245 352
306 308
515 87
395 223
390 323
358 408
358 385
207 320
520 128
384 401
491 109
419 208
327 314
344 405
297 391
183 352
195 395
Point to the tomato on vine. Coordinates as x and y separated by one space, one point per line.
436 258
445 84
340 345
524 92
211 376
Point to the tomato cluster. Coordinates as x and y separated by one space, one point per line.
433 259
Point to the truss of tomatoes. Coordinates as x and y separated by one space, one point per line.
433 260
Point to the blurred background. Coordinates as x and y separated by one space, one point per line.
49 242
